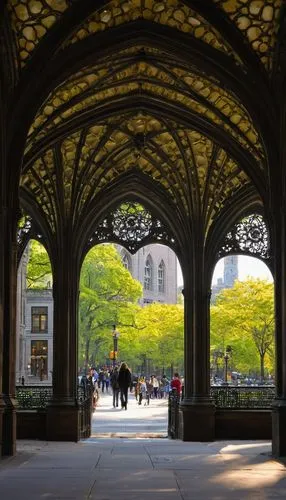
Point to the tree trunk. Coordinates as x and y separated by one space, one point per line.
86 353
262 367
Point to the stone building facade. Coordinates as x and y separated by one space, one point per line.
155 266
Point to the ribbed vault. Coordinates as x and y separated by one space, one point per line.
138 107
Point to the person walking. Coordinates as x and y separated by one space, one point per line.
176 383
115 386
124 381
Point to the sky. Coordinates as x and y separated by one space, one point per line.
247 267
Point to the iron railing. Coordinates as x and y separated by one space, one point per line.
37 398
33 397
173 414
236 398
227 398
85 399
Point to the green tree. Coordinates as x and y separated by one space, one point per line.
108 296
157 340
243 317
39 272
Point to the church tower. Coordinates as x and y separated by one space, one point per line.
230 272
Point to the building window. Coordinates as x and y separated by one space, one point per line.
39 358
126 261
39 319
148 274
161 277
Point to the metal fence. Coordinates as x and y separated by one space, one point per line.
227 398
173 414
37 398
33 397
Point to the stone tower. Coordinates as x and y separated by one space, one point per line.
230 272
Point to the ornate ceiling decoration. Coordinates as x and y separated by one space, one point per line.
132 226
250 236
256 20
198 175
145 71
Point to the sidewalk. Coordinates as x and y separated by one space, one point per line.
124 468
137 421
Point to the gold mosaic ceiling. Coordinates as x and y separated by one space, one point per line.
67 178
256 19
140 70
192 167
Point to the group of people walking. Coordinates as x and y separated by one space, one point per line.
121 381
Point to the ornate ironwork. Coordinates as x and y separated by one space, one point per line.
260 397
249 236
37 398
173 414
132 226
33 397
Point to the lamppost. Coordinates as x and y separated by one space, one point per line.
115 335
226 357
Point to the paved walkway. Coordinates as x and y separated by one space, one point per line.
124 468
138 421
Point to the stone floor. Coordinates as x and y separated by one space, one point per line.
141 468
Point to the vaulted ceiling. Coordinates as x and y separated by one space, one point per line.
173 89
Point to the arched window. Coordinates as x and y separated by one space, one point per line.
126 261
161 277
148 271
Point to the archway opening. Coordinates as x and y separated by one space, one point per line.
242 347
34 332
129 312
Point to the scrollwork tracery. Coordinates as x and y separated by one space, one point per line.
132 226
249 236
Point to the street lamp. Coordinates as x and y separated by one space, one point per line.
226 357
115 335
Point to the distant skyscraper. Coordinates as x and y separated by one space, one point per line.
230 270
230 274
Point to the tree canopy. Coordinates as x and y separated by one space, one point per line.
39 272
243 317
108 296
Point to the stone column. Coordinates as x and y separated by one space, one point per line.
279 407
62 416
8 285
197 413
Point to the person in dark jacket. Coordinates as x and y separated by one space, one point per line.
124 381
115 386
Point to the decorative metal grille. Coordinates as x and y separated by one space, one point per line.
173 415
260 397
132 226
249 236
33 397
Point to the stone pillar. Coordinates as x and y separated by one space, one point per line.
62 413
197 412
8 258
279 407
